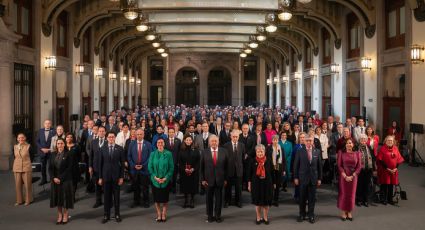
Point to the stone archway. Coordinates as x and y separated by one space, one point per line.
187 86
219 86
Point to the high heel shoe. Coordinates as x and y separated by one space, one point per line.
343 218
59 222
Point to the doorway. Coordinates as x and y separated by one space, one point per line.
187 87
219 87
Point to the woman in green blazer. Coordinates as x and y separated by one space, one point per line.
161 169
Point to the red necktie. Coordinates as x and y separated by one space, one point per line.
215 157
139 153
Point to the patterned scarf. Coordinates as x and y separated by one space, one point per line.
261 171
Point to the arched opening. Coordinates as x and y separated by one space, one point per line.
353 94
394 96
187 86
219 87
326 96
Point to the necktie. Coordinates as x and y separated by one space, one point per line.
310 156
110 150
46 134
215 157
100 142
302 127
205 136
361 130
172 143
139 153
235 149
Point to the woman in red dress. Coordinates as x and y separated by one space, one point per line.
349 166
388 160
372 140
395 131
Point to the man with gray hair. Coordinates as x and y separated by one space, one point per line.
236 152
213 173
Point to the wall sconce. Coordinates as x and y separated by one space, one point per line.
334 68
417 54
50 63
285 79
124 78
269 82
99 73
275 80
113 76
313 72
138 82
366 63
80 69
297 76
132 80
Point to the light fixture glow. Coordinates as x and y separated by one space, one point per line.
142 27
79 69
50 62
150 37
132 80
130 14
99 73
156 44
334 68
138 82
253 45
113 76
304 1
164 55
124 78
261 37
285 15
313 72
161 50
366 63
416 54
271 28
243 55
247 50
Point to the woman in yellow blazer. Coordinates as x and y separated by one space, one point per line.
22 170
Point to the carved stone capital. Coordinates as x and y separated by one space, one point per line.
338 43
420 11
47 29
96 50
316 51
300 57
111 57
77 42
370 31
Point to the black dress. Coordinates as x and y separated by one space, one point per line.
261 189
75 154
61 195
189 184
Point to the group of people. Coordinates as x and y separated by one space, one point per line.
209 150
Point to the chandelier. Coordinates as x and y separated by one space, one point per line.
271 26
130 10
285 7
141 24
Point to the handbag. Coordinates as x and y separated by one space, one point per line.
403 194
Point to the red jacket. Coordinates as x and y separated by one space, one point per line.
388 158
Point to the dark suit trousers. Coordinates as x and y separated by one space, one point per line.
363 185
174 181
237 183
386 191
44 158
217 193
111 194
278 176
141 185
307 192
97 187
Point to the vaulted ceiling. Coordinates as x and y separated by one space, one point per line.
208 26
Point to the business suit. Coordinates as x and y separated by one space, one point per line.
175 149
215 176
234 172
215 130
140 178
278 169
200 143
112 128
249 144
111 170
224 137
94 163
308 173
43 142
357 132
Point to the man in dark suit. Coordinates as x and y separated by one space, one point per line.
307 175
201 140
251 125
259 136
249 143
235 154
111 126
88 146
96 119
94 163
303 126
213 171
173 145
112 161
225 134
44 140
138 158
87 133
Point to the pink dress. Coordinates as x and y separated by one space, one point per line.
349 163
269 135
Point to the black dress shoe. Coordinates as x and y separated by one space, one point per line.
218 220
384 202
358 204
226 205
258 222
366 204
97 205
350 218
312 220
300 218
105 219
343 218
266 222
118 218
210 219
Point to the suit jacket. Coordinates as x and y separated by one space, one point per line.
357 132
214 175
235 161
303 125
111 166
133 157
213 129
64 173
175 150
308 172
83 140
41 139
95 153
249 143
199 141
224 138
114 129
89 141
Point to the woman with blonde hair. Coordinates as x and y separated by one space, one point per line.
22 170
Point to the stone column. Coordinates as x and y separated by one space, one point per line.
316 96
130 88
96 84
145 82
270 89
300 86
7 45
369 80
288 86
120 86
261 82
338 85
111 90
278 85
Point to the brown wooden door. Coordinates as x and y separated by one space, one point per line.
62 113
393 111
126 101
293 101
307 103
103 105
86 106
353 106
115 103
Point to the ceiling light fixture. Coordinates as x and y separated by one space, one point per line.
130 10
